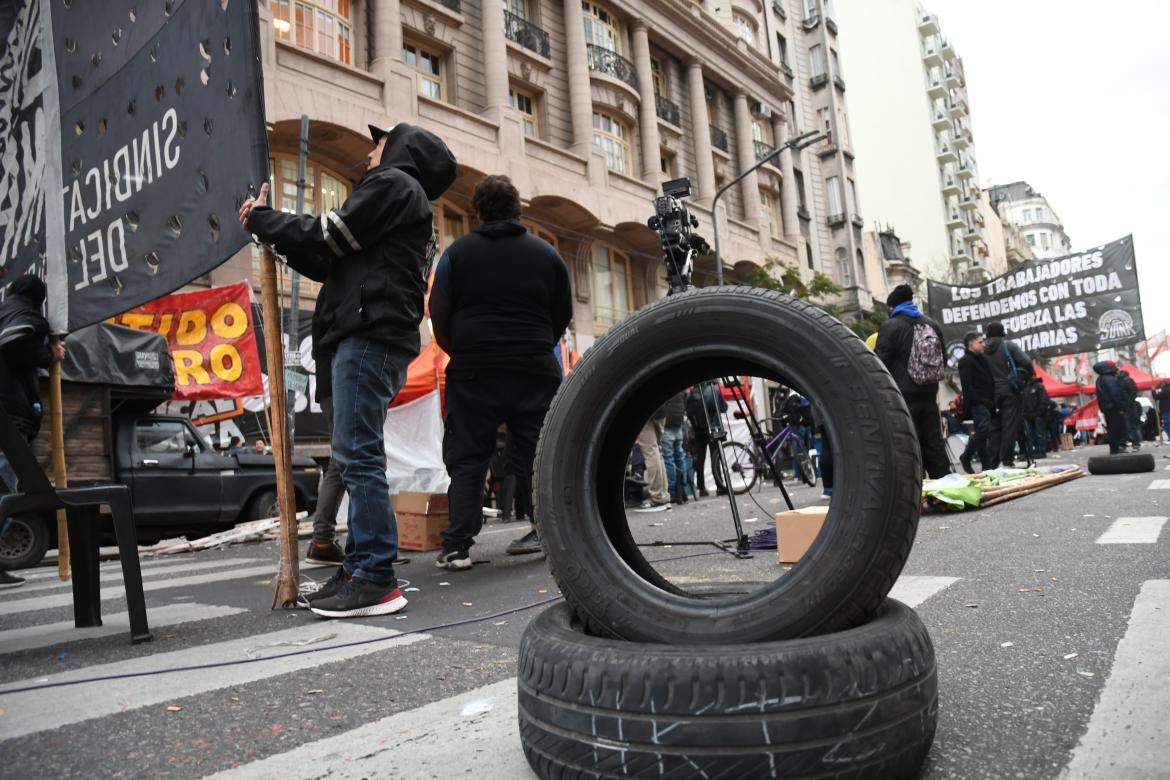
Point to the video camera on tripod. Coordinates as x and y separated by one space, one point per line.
674 223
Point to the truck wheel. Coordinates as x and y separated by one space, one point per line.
1122 463
859 703
693 337
24 543
264 506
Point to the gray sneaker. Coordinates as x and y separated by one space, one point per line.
528 544
650 506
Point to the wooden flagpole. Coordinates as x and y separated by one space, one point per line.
285 591
60 477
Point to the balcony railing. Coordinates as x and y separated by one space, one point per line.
831 24
667 110
762 149
719 139
819 80
611 63
778 7
452 4
856 220
520 30
812 20
784 66
840 82
836 219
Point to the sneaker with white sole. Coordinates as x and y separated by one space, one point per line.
311 590
10 580
528 544
324 553
650 506
359 597
456 559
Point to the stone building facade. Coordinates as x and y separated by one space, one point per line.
588 106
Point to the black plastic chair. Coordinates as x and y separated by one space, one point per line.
81 504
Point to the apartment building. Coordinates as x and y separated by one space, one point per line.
1006 244
912 123
1020 205
588 106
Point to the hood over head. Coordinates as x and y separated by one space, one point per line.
501 228
1105 367
419 153
31 288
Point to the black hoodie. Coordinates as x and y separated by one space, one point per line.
24 347
374 253
501 298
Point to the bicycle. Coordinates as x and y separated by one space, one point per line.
745 462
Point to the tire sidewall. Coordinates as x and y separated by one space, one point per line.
36 531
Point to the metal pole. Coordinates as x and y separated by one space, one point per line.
295 289
799 142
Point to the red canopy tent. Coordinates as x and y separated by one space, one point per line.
426 373
1056 388
1085 417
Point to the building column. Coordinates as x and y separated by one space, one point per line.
495 57
580 98
789 199
647 108
750 185
701 131
387 33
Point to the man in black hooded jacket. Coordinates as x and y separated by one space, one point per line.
500 302
25 346
372 256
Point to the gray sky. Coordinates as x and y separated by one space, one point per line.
1071 96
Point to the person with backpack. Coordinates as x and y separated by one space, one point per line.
1012 369
910 344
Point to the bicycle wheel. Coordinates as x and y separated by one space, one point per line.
808 474
741 463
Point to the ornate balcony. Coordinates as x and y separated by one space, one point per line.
611 63
819 80
520 30
856 221
836 219
812 20
840 82
762 149
667 110
719 139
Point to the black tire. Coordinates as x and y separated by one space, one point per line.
1122 463
264 505
741 464
673 343
25 542
859 703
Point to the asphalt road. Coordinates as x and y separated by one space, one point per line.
1026 608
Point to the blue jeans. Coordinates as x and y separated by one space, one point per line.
674 458
1166 424
366 376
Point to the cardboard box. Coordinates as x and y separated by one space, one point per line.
796 530
421 516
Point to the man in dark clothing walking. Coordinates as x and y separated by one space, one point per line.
25 346
903 348
373 256
1036 402
500 302
1162 396
978 400
1111 401
705 408
1012 369
1133 410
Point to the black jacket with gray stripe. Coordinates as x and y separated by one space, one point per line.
373 255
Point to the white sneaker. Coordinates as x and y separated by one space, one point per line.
650 506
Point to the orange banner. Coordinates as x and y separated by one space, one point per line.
211 339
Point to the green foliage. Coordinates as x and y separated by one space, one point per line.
785 277
870 322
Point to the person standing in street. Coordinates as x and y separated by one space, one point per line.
1162 396
978 387
1036 402
1012 369
705 408
25 347
673 456
1133 410
373 256
323 549
500 301
649 442
1112 403
910 344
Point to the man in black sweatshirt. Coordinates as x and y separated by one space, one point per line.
1012 370
373 256
978 400
500 302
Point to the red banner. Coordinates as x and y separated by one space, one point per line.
211 339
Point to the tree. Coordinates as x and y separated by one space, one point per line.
776 274
869 323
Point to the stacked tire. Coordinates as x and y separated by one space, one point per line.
817 674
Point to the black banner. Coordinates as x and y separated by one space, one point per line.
1063 306
148 118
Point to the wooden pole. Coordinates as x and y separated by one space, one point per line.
285 591
60 477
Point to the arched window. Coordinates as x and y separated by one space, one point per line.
844 272
612 286
321 26
612 136
743 27
861 268
601 27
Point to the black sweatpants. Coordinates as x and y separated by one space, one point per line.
924 412
1011 422
477 403
1116 430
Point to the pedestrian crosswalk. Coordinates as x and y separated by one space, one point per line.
1133 530
148 573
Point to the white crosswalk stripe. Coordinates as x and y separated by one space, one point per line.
417 743
49 634
1126 736
49 601
912 589
1160 484
1133 530
50 572
147 574
40 710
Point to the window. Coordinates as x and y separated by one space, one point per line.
453 225
526 103
667 164
612 137
743 27
782 48
1027 215
324 190
825 117
851 196
1031 239
770 212
833 189
429 65
761 131
612 291
321 26
162 436
1039 214
836 62
601 28
1044 240
860 267
657 77
801 199
844 272
522 8
816 58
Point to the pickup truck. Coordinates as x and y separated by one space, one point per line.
179 484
